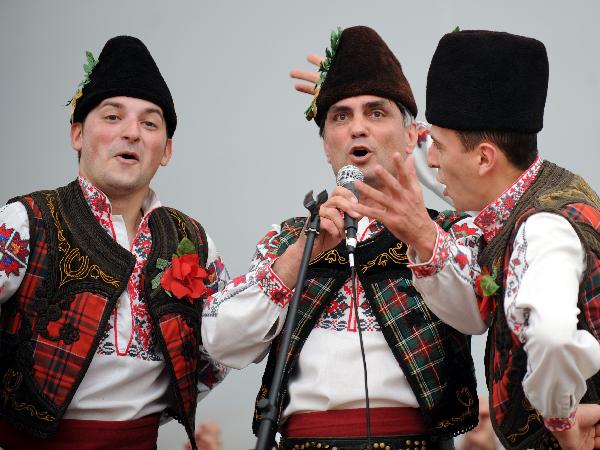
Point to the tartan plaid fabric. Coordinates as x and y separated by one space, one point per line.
49 329
557 191
435 359
180 341
179 321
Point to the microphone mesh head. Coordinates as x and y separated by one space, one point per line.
349 174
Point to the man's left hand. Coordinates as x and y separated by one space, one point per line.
585 434
400 207
309 78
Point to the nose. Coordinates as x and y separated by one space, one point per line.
358 127
432 157
130 129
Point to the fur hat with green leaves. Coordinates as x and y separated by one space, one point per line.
359 62
124 68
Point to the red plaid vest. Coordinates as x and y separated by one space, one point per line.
558 191
51 327
437 363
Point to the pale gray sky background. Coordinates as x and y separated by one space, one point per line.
244 156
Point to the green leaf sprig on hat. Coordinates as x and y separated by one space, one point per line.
88 67
324 67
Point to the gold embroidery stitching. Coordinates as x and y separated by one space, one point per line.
74 265
396 254
331 256
465 398
525 428
12 380
180 221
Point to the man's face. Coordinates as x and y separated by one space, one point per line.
365 131
457 169
122 142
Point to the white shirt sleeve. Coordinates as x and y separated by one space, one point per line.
211 371
14 248
446 280
240 321
545 271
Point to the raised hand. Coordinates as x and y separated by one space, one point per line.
399 206
310 78
585 434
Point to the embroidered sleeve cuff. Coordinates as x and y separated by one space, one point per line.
438 258
272 285
560 423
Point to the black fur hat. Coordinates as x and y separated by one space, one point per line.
487 81
125 67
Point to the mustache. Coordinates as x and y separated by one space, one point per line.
125 147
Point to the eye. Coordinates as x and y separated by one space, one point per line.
149 124
111 117
377 114
340 116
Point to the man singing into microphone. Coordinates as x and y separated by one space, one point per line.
100 285
420 375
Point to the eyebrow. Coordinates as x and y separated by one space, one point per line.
376 104
121 106
435 140
339 108
368 105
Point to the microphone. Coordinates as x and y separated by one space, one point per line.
346 177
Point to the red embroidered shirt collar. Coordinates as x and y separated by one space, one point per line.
491 219
100 205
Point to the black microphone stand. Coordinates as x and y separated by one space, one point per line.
269 407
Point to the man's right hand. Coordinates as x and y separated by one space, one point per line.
585 434
331 233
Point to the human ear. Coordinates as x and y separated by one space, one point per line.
411 138
168 153
76 136
487 157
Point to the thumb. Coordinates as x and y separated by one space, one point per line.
588 414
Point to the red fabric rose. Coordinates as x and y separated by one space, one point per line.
185 278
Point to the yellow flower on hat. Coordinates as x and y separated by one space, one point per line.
73 101
88 67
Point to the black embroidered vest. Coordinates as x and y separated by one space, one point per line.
437 365
51 327
556 190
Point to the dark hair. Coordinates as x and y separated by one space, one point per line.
407 117
520 148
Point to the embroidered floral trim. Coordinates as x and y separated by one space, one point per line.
14 251
339 315
492 217
438 259
560 424
141 343
517 318
272 285
99 204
